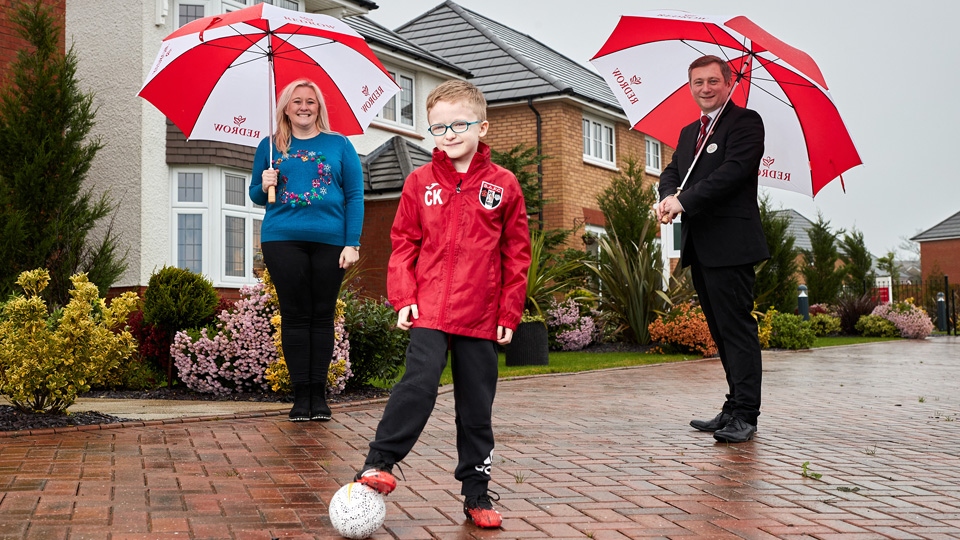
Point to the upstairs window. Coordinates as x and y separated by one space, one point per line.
653 156
598 141
399 109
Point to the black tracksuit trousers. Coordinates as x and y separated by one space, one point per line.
474 366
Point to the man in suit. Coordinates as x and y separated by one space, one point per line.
721 238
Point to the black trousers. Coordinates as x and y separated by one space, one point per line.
726 296
307 276
474 366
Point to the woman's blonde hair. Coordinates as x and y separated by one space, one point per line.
284 129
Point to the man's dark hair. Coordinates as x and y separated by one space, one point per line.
704 61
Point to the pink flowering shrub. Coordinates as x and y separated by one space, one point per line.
567 329
235 357
912 321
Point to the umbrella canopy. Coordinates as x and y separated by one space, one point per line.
645 63
216 77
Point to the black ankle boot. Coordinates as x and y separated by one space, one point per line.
300 412
319 410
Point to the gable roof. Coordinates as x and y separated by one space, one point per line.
947 229
386 168
507 65
798 227
376 34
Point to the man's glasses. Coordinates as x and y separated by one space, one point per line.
458 126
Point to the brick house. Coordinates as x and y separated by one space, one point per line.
536 95
183 203
940 248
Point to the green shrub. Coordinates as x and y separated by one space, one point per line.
132 373
877 326
825 325
46 359
377 347
177 299
790 331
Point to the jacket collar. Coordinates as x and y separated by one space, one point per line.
446 170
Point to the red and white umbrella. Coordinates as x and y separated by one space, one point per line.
216 78
645 59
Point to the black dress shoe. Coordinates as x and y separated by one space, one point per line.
713 424
736 431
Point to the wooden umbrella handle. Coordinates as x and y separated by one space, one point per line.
272 194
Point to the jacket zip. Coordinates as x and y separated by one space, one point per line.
451 258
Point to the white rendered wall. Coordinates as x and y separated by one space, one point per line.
116 43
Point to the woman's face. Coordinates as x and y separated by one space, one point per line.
303 109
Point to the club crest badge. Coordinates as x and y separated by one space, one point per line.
490 195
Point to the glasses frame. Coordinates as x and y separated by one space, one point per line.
450 127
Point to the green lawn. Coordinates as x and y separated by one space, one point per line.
848 340
576 361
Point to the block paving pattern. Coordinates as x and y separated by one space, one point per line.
604 455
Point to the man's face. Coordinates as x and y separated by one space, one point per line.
709 89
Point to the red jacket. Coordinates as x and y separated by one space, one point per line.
461 247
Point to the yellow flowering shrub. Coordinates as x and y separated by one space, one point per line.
47 360
765 327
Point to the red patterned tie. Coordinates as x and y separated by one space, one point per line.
704 120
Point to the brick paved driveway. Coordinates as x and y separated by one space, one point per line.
603 455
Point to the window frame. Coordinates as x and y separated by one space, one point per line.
592 145
208 9
648 167
214 211
396 74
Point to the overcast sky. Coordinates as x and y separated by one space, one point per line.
890 68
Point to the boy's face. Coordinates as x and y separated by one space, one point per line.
460 147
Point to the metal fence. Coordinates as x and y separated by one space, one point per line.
927 294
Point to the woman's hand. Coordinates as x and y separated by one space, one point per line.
268 179
349 256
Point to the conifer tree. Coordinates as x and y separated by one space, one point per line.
857 263
776 284
46 213
627 206
820 272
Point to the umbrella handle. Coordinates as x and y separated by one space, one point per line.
272 190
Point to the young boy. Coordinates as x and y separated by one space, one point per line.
457 276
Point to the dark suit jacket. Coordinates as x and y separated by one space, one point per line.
721 218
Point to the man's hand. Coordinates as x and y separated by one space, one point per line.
404 322
669 209
504 335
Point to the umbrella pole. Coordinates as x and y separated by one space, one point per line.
272 93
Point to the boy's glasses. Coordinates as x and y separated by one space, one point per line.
458 126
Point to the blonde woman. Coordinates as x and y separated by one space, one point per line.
309 236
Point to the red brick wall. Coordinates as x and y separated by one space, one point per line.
10 41
942 254
569 183
375 246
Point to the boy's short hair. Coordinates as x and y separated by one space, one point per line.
457 90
